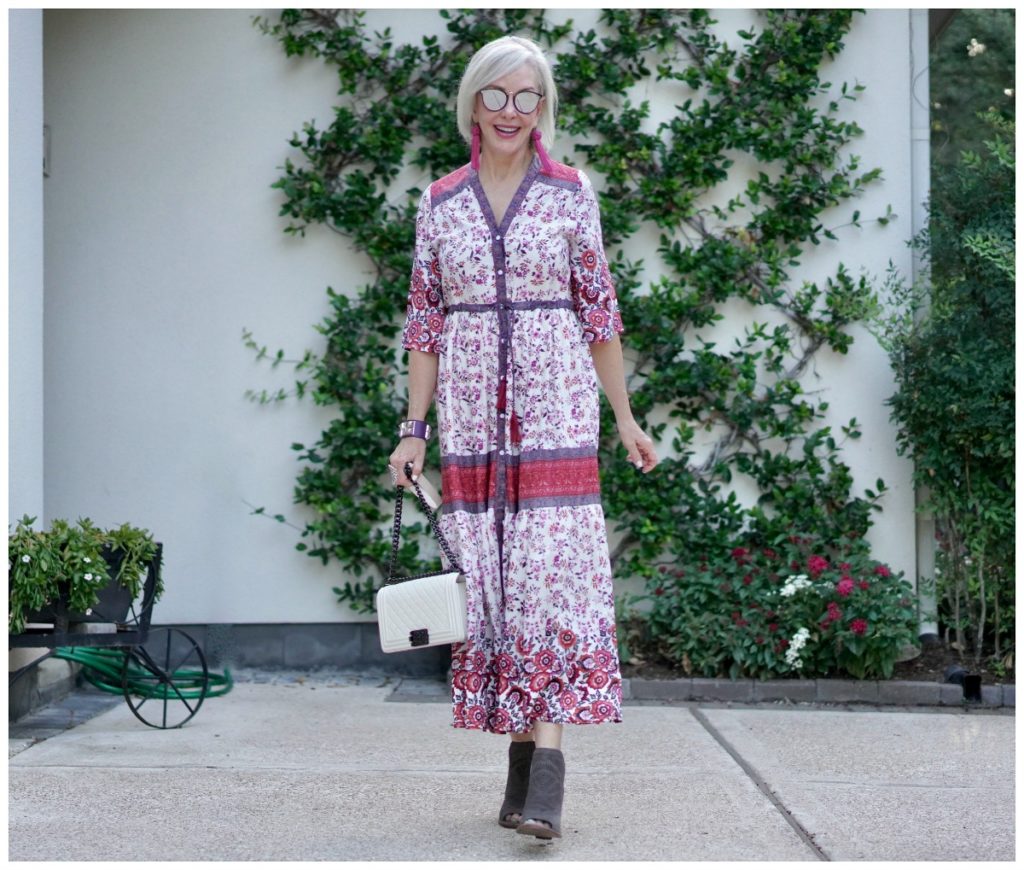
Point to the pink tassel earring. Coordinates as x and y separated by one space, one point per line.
545 161
474 148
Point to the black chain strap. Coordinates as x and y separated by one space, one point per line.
398 529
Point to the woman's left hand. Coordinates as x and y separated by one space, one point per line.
639 446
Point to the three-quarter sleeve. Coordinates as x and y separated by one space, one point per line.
593 293
424 312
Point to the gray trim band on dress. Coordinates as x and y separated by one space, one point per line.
540 455
524 504
514 305
559 182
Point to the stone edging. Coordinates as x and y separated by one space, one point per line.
897 692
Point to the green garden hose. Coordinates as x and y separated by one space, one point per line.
104 668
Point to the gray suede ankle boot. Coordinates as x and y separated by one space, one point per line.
520 754
542 812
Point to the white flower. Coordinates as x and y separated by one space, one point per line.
1008 91
975 48
26 558
798 581
86 559
799 639
88 576
795 645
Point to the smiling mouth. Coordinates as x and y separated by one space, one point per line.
508 131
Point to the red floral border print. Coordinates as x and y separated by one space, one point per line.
554 478
563 172
535 479
520 683
449 182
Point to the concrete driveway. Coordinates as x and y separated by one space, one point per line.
296 767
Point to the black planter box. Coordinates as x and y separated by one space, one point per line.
113 605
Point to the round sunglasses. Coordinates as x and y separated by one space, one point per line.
495 99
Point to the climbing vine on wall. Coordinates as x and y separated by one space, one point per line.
721 413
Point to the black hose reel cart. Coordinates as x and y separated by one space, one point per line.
162 672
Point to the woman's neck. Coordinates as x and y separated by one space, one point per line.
493 168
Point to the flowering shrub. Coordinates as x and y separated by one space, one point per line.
76 558
798 608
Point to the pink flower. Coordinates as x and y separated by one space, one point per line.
739 553
748 579
882 571
844 587
538 682
858 626
863 584
545 659
817 564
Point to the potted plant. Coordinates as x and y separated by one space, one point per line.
75 573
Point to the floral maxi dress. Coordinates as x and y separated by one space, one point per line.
511 308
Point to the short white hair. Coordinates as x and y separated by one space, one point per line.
497 59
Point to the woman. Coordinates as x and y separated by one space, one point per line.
511 312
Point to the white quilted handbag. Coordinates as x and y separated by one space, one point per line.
424 610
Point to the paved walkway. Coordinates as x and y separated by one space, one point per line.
348 767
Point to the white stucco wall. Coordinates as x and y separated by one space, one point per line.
25 276
163 242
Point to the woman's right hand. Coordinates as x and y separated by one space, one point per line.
409 449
